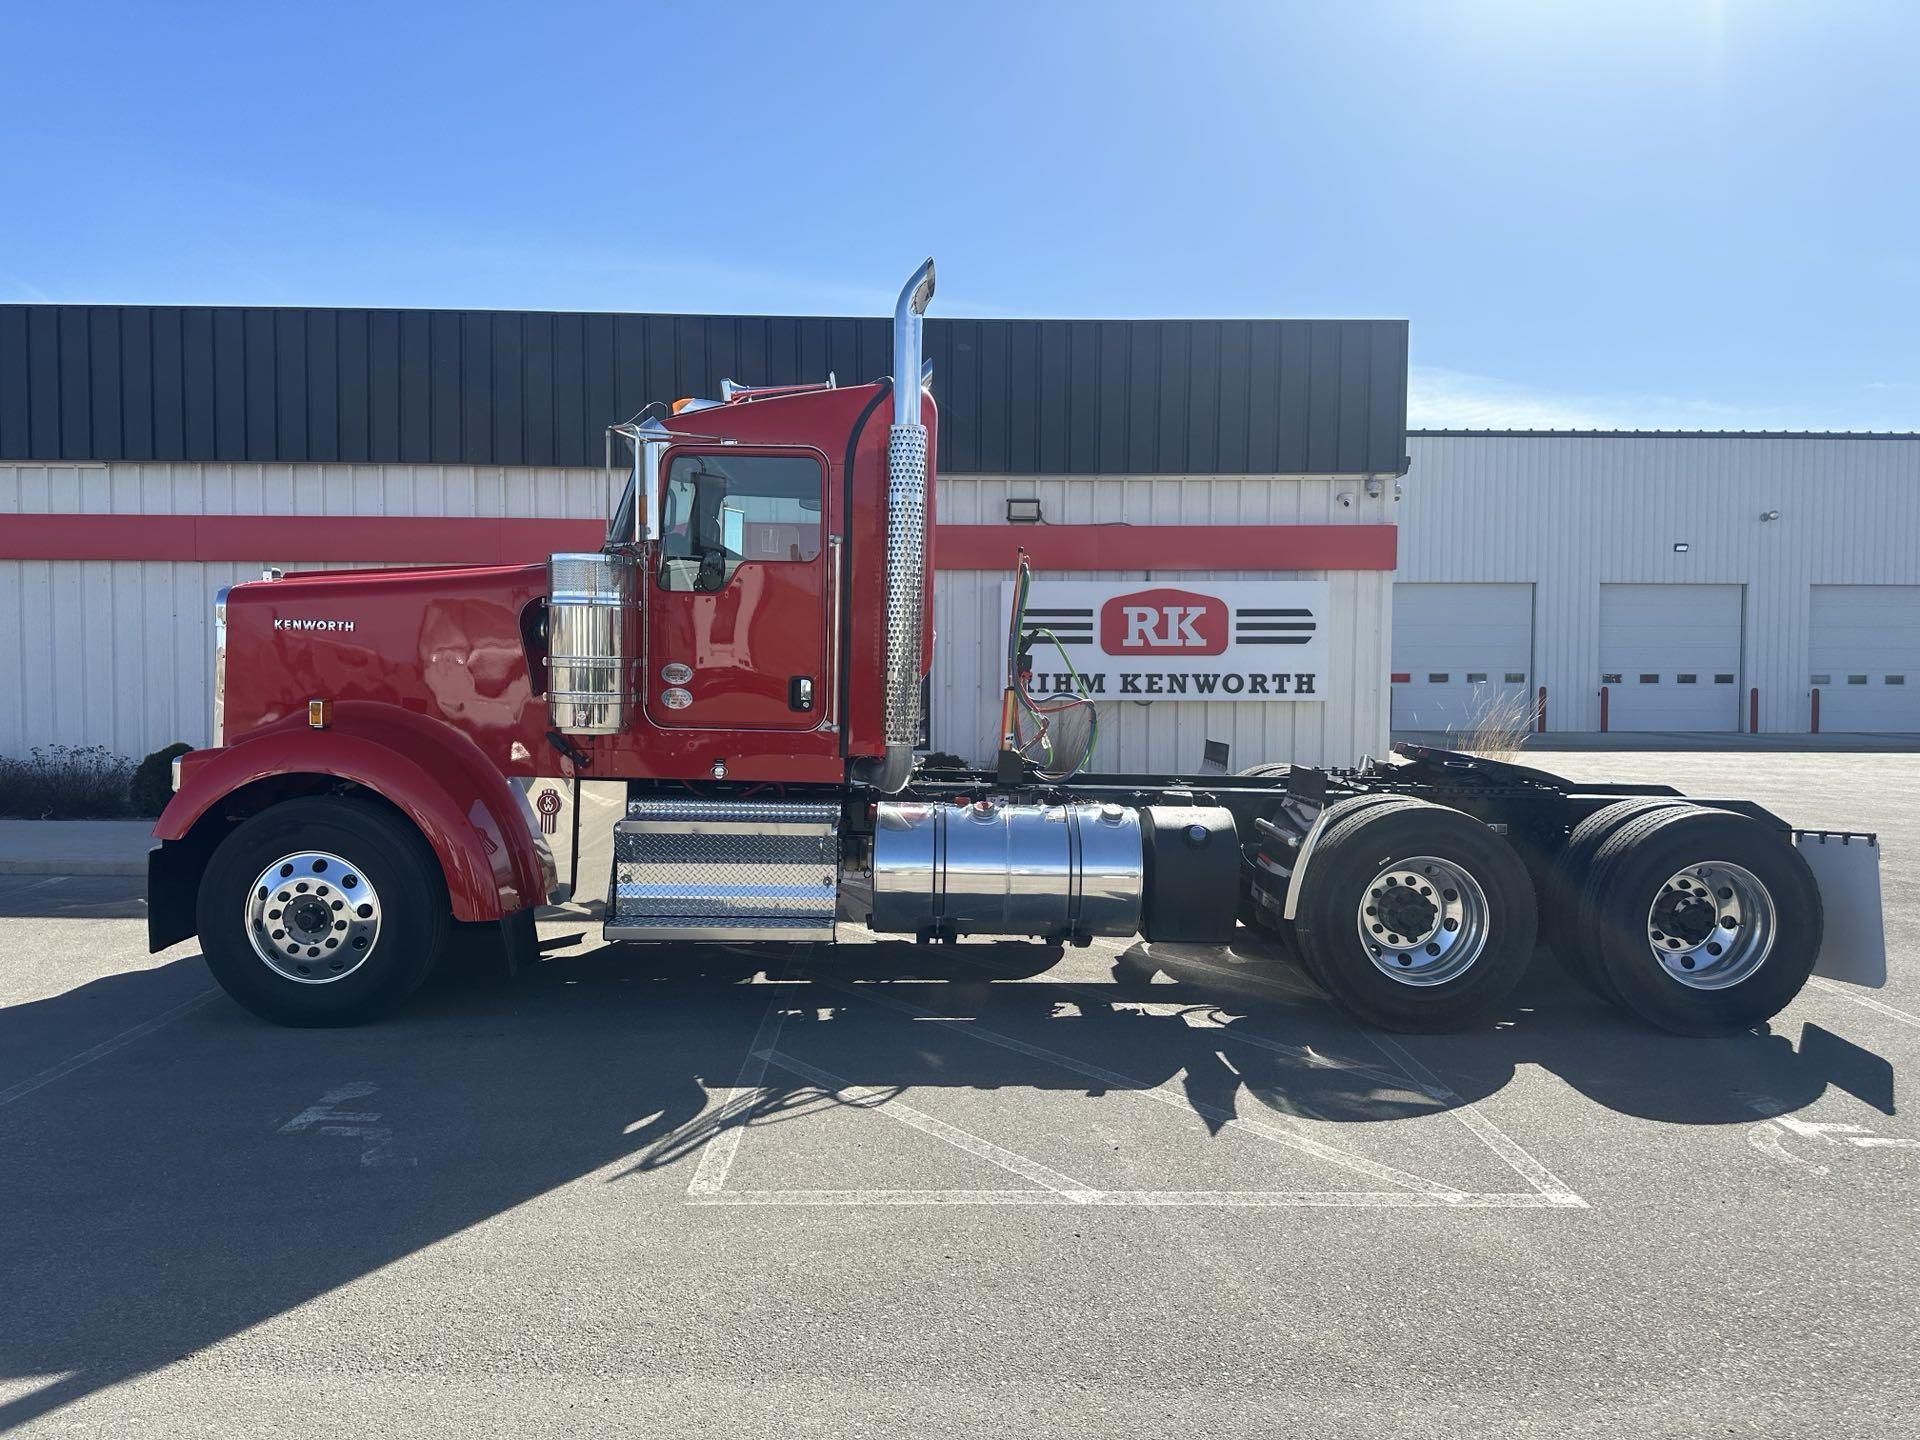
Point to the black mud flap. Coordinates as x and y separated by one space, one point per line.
173 892
519 941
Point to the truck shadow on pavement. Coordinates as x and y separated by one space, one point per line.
214 1172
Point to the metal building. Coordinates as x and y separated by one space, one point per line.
1660 581
150 455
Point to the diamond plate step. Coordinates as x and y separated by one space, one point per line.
691 869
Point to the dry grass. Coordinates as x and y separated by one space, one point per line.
1498 726
65 782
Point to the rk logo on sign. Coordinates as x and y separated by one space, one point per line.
1163 622
1225 640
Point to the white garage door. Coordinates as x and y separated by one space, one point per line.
1670 656
1462 656
1864 645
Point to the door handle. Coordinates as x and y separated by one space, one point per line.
800 693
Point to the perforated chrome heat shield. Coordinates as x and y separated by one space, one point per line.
587 602
689 869
906 578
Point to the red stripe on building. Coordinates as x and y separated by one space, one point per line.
1169 547
375 539
493 540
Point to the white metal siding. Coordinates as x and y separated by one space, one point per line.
1675 650
1864 650
119 653
1467 654
1571 513
1169 735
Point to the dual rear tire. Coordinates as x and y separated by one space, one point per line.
1699 921
1414 917
1417 917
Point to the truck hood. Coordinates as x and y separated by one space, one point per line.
455 642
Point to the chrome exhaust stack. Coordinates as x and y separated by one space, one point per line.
906 539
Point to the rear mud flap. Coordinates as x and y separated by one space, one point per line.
1846 864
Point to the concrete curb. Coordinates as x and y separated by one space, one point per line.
75 847
9 866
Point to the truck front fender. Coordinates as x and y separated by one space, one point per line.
469 815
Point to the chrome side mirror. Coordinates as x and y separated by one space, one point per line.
648 440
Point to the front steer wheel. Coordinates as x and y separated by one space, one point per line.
1414 916
322 911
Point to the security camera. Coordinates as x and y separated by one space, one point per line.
1345 497
1769 514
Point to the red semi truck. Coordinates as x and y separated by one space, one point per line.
743 662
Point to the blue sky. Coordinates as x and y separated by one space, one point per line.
1656 214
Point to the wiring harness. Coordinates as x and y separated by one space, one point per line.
1056 761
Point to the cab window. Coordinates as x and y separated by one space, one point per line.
721 510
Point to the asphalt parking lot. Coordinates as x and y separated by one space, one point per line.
875 1190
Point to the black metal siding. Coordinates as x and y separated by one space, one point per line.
113 382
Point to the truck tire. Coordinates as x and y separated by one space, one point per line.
1414 916
1703 922
1286 931
322 911
1566 931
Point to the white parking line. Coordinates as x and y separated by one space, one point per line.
104 1048
1483 1129
1847 992
730 1121
888 1103
1206 1199
1127 1085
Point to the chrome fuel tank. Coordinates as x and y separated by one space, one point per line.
990 867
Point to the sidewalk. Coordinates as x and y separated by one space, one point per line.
75 847
1670 740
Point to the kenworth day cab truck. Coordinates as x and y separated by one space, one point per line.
743 661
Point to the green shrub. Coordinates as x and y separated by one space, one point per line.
152 783
65 782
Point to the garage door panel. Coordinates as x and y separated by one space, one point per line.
1863 644
1670 656
1462 654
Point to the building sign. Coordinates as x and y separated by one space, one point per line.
1179 640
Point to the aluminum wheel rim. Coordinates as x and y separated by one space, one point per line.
1712 925
1424 921
312 917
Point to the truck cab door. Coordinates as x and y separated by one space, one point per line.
736 612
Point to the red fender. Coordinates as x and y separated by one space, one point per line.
432 772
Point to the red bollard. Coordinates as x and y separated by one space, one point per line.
1603 709
1753 711
1816 712
1540 712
